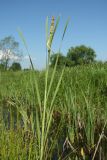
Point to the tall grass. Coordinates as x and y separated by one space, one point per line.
53 114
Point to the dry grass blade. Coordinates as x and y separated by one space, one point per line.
100 138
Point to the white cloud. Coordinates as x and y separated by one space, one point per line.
8 54
26 57
1 54
11 56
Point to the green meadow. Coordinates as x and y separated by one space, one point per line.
59 113
60 117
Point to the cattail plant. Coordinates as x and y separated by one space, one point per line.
42 122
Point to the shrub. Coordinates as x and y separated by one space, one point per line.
15 66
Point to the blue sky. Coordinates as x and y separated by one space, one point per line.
88 25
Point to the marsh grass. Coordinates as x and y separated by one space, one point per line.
54 114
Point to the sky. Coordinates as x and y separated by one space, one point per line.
88 26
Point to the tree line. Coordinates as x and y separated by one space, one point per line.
78 55
10 54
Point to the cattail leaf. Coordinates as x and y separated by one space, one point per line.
26 46
66 25
23 40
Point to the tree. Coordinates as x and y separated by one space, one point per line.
81 55
15 66
2 67
61 59
9 50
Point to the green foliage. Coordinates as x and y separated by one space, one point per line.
58 113
81 55
77 117
61 59
15 67
41 115
2 67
